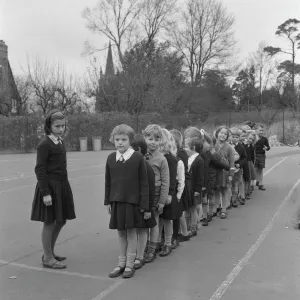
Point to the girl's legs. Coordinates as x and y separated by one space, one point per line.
122 236
194 218
187 216
176 226
47 234
57 228
183 225
141 243
168 226
154 233
131 248
258 173
211 202
226 196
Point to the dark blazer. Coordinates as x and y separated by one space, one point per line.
259 146
197 174
51 162
250 152
172 163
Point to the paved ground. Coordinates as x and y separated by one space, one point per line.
254 254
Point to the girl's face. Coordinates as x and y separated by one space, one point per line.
222 135
58 127
152 142
206 146
235 138
122 142
250 140
260 131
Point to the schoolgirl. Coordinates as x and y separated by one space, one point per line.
126 196
251 157
53 199
227 152
172 209
180 225
140 145
260 148
212 162
196 170
153 137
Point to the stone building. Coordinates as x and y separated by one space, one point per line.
10 102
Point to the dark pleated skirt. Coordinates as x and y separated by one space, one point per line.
260 161
62 207
189 195
126 216
173 210
251 170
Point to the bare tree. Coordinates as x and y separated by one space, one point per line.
113 19
25 92
44 79
154 16
204 35
265 71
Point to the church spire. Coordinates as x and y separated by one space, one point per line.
109 70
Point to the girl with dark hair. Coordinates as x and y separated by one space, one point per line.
53 199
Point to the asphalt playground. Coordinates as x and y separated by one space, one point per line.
252 255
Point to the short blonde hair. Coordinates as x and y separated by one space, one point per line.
168 142
122 129
235 131
154 130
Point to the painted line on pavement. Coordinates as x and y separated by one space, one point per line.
235 272
110 289
269 170
23 266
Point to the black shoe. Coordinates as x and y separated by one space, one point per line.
167 250
204 222
116 273
209 218
242 201
183 238
175 244
234 204
257 183
129 274
262 188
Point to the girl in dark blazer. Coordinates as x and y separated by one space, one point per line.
53 199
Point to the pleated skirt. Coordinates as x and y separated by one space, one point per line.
126 216
62 207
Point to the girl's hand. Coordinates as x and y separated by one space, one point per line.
160 208
229 178
178 199
147 215
196 194
108 207
47 200
169 200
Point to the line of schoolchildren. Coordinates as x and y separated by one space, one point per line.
161 184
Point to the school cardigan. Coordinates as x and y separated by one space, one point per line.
260 144
240 149
160 167
51 163
127 181
197 174
250 152
227 152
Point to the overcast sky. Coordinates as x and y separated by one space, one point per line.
55 29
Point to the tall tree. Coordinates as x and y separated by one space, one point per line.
113 19
291 32
155 15
203 34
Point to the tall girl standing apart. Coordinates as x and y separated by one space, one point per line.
53 199
126 196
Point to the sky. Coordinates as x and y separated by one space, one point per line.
55 29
